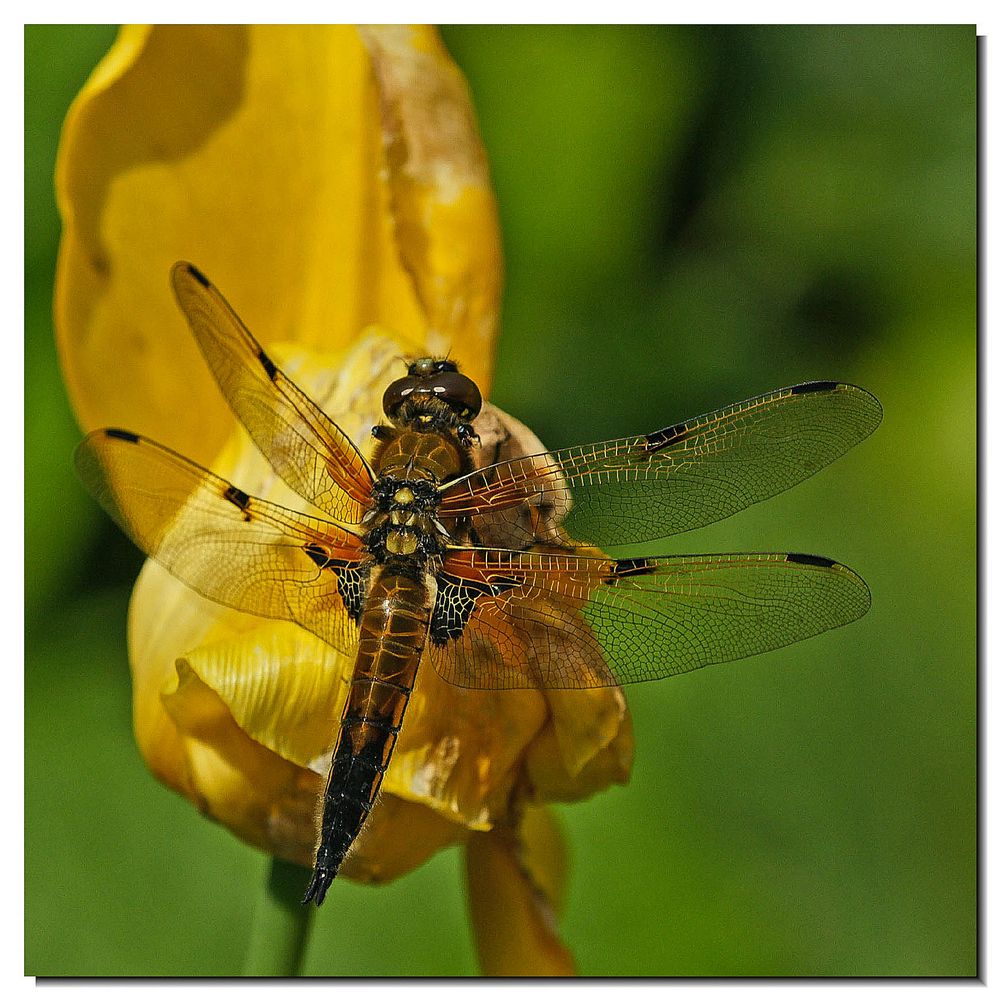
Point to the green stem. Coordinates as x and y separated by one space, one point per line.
280 929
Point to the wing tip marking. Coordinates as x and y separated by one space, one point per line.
268 365
197 275
121 435
807 560
820 386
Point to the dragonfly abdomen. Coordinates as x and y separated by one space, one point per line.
393 630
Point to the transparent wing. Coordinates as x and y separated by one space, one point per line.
304 446
232 548
504 619
682 477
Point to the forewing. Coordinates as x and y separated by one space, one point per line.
304 446
232 548
682 477
505 619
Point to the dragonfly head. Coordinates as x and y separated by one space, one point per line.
432 386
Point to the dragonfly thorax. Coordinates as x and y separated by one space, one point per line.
403 521
428 446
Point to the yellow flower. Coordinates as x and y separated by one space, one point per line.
331 181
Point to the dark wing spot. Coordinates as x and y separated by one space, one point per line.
237 497
352 580
318 555
798 390
456 600
269 366
114 432
198 276
798 557
622 568
660 439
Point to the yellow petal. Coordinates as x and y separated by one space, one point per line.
586 745
256 152
166 620
398 836
516 881
560 771
442 198
268 801
460 750
284 687
188 736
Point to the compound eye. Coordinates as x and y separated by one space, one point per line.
397 393
459 392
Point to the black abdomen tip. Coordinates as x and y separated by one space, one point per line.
320 882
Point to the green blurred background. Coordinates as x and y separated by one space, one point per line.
691 216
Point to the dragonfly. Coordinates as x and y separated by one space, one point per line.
495 573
